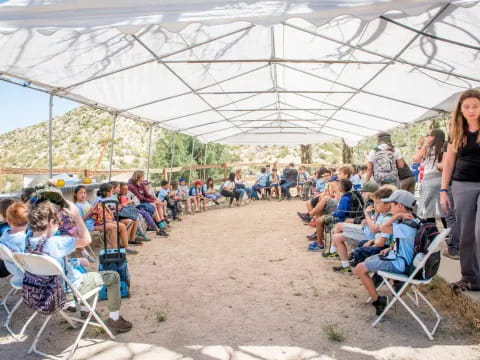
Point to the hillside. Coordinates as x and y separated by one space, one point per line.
81 138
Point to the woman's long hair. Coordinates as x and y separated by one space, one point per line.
75 192
458 123
210 184
104 189
137 174
437 145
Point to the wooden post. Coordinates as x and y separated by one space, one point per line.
165 174
1 180
225 171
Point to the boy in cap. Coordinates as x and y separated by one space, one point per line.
397 257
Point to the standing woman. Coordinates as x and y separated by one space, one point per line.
462 166
431 154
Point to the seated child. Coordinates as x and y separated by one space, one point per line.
400 255
14 238
190 201
368 237
261 182
44 219
197 192
343 209
302 178
4 204
209 191
275 187
168 197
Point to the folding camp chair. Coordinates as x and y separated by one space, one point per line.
48 266
409 280
6 255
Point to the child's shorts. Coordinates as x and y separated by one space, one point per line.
353 233
330 219
364 252
374 264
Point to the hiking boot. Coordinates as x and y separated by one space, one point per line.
347 270
330 255
450 254
380 304
162 233
120 325
304 216
316 247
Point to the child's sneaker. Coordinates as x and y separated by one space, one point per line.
330 255
162 233
380 304
316 247
347 270
312 237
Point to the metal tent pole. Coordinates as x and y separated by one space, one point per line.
191 161
149 151
173 155
50 136
205 163
111 147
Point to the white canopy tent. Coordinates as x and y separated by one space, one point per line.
250 72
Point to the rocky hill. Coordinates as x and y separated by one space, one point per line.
81 139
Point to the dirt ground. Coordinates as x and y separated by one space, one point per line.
239 284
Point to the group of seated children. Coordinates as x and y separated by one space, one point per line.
36 226
381 230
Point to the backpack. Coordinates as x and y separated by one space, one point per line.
384 166
358 204
42 293
426 233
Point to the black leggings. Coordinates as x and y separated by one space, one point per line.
230 194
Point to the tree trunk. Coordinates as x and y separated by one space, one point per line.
346 153
306 154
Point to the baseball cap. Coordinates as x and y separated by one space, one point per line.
181 179
402 197
198 182
370 187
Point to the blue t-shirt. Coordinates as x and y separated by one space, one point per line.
163 194
320 185
403 255
16 243
83 208
59 247
4 227
302 178
381 220
262 179
344 206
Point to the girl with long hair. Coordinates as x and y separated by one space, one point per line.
461 166
431 154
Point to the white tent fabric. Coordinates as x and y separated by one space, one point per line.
268 72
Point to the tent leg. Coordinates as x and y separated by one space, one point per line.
173 155
50 137
205 163
111 147
149 151
191 161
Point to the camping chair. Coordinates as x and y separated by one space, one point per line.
409 280
6 255
48 266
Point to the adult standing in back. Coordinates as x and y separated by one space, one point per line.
290 174
383 162
461 164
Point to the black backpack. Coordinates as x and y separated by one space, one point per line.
358 204
426 233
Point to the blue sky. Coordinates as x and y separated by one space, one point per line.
21 107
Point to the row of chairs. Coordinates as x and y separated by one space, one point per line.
45 265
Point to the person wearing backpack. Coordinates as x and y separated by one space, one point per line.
383 162
44 218
399 256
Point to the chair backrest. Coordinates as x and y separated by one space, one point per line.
39 264
7 255
435 244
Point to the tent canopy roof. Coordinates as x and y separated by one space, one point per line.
269 72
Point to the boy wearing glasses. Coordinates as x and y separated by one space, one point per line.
397 257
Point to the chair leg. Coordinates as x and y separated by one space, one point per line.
68 319
9 318
24 328
4 301
33 347
434 311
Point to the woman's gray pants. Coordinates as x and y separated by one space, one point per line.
467 211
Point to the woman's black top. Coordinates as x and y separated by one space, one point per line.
467 165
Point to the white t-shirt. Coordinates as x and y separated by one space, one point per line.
430 163
396 153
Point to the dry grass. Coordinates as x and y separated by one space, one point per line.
334 333
459 306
